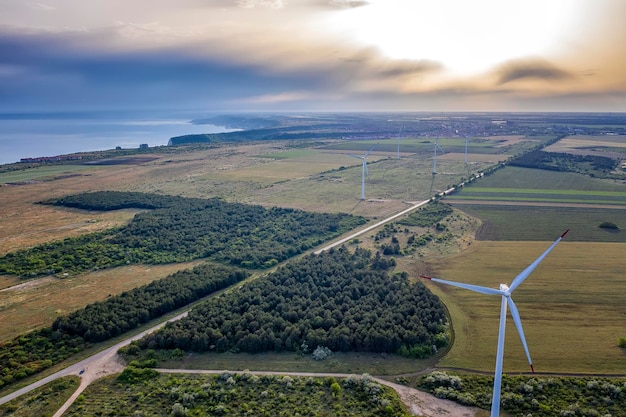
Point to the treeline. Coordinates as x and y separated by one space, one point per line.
335 299
178 229
557 161
35 351
536 396
427 216
116 315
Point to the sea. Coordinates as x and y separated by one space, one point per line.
31 135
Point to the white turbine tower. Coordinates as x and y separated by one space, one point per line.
435 157
400 133
364 170
507 301
465 159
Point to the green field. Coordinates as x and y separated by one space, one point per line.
524 179
572 306
43 173
525 222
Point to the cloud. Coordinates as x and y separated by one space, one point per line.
41 7
268 4
530 69
347 4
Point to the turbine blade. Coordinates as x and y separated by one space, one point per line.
475 288
371 149
442 151
355 156
520 331
530 268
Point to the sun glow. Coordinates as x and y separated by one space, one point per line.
466 37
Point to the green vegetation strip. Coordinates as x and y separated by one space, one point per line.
537 396
501 197
485 190
138 392
178 229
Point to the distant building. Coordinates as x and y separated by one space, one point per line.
143 146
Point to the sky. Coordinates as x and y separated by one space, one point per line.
313 55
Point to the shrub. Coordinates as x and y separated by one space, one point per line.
608 225
321 352
622 342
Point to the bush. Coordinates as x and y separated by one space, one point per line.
321 352
608 225
622 342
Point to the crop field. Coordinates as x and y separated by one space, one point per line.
529 204
525 222
535 179
572 306
548 196
569 306
585 144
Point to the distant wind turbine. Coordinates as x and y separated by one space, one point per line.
505 293
364 170
435 158
465 159
399 133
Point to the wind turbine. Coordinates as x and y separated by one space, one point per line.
400 133
364 170
435 158
505 292
465 159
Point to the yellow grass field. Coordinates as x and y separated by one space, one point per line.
37 303
582 142
572 306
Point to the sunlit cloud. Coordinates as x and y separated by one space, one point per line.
350 53
269 4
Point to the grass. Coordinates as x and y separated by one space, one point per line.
44 401
43 173
571 307
350 363
524 222
516 178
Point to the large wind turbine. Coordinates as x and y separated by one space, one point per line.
364 170
505 293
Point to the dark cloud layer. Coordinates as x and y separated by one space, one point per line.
531 69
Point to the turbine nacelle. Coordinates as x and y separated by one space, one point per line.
505 289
